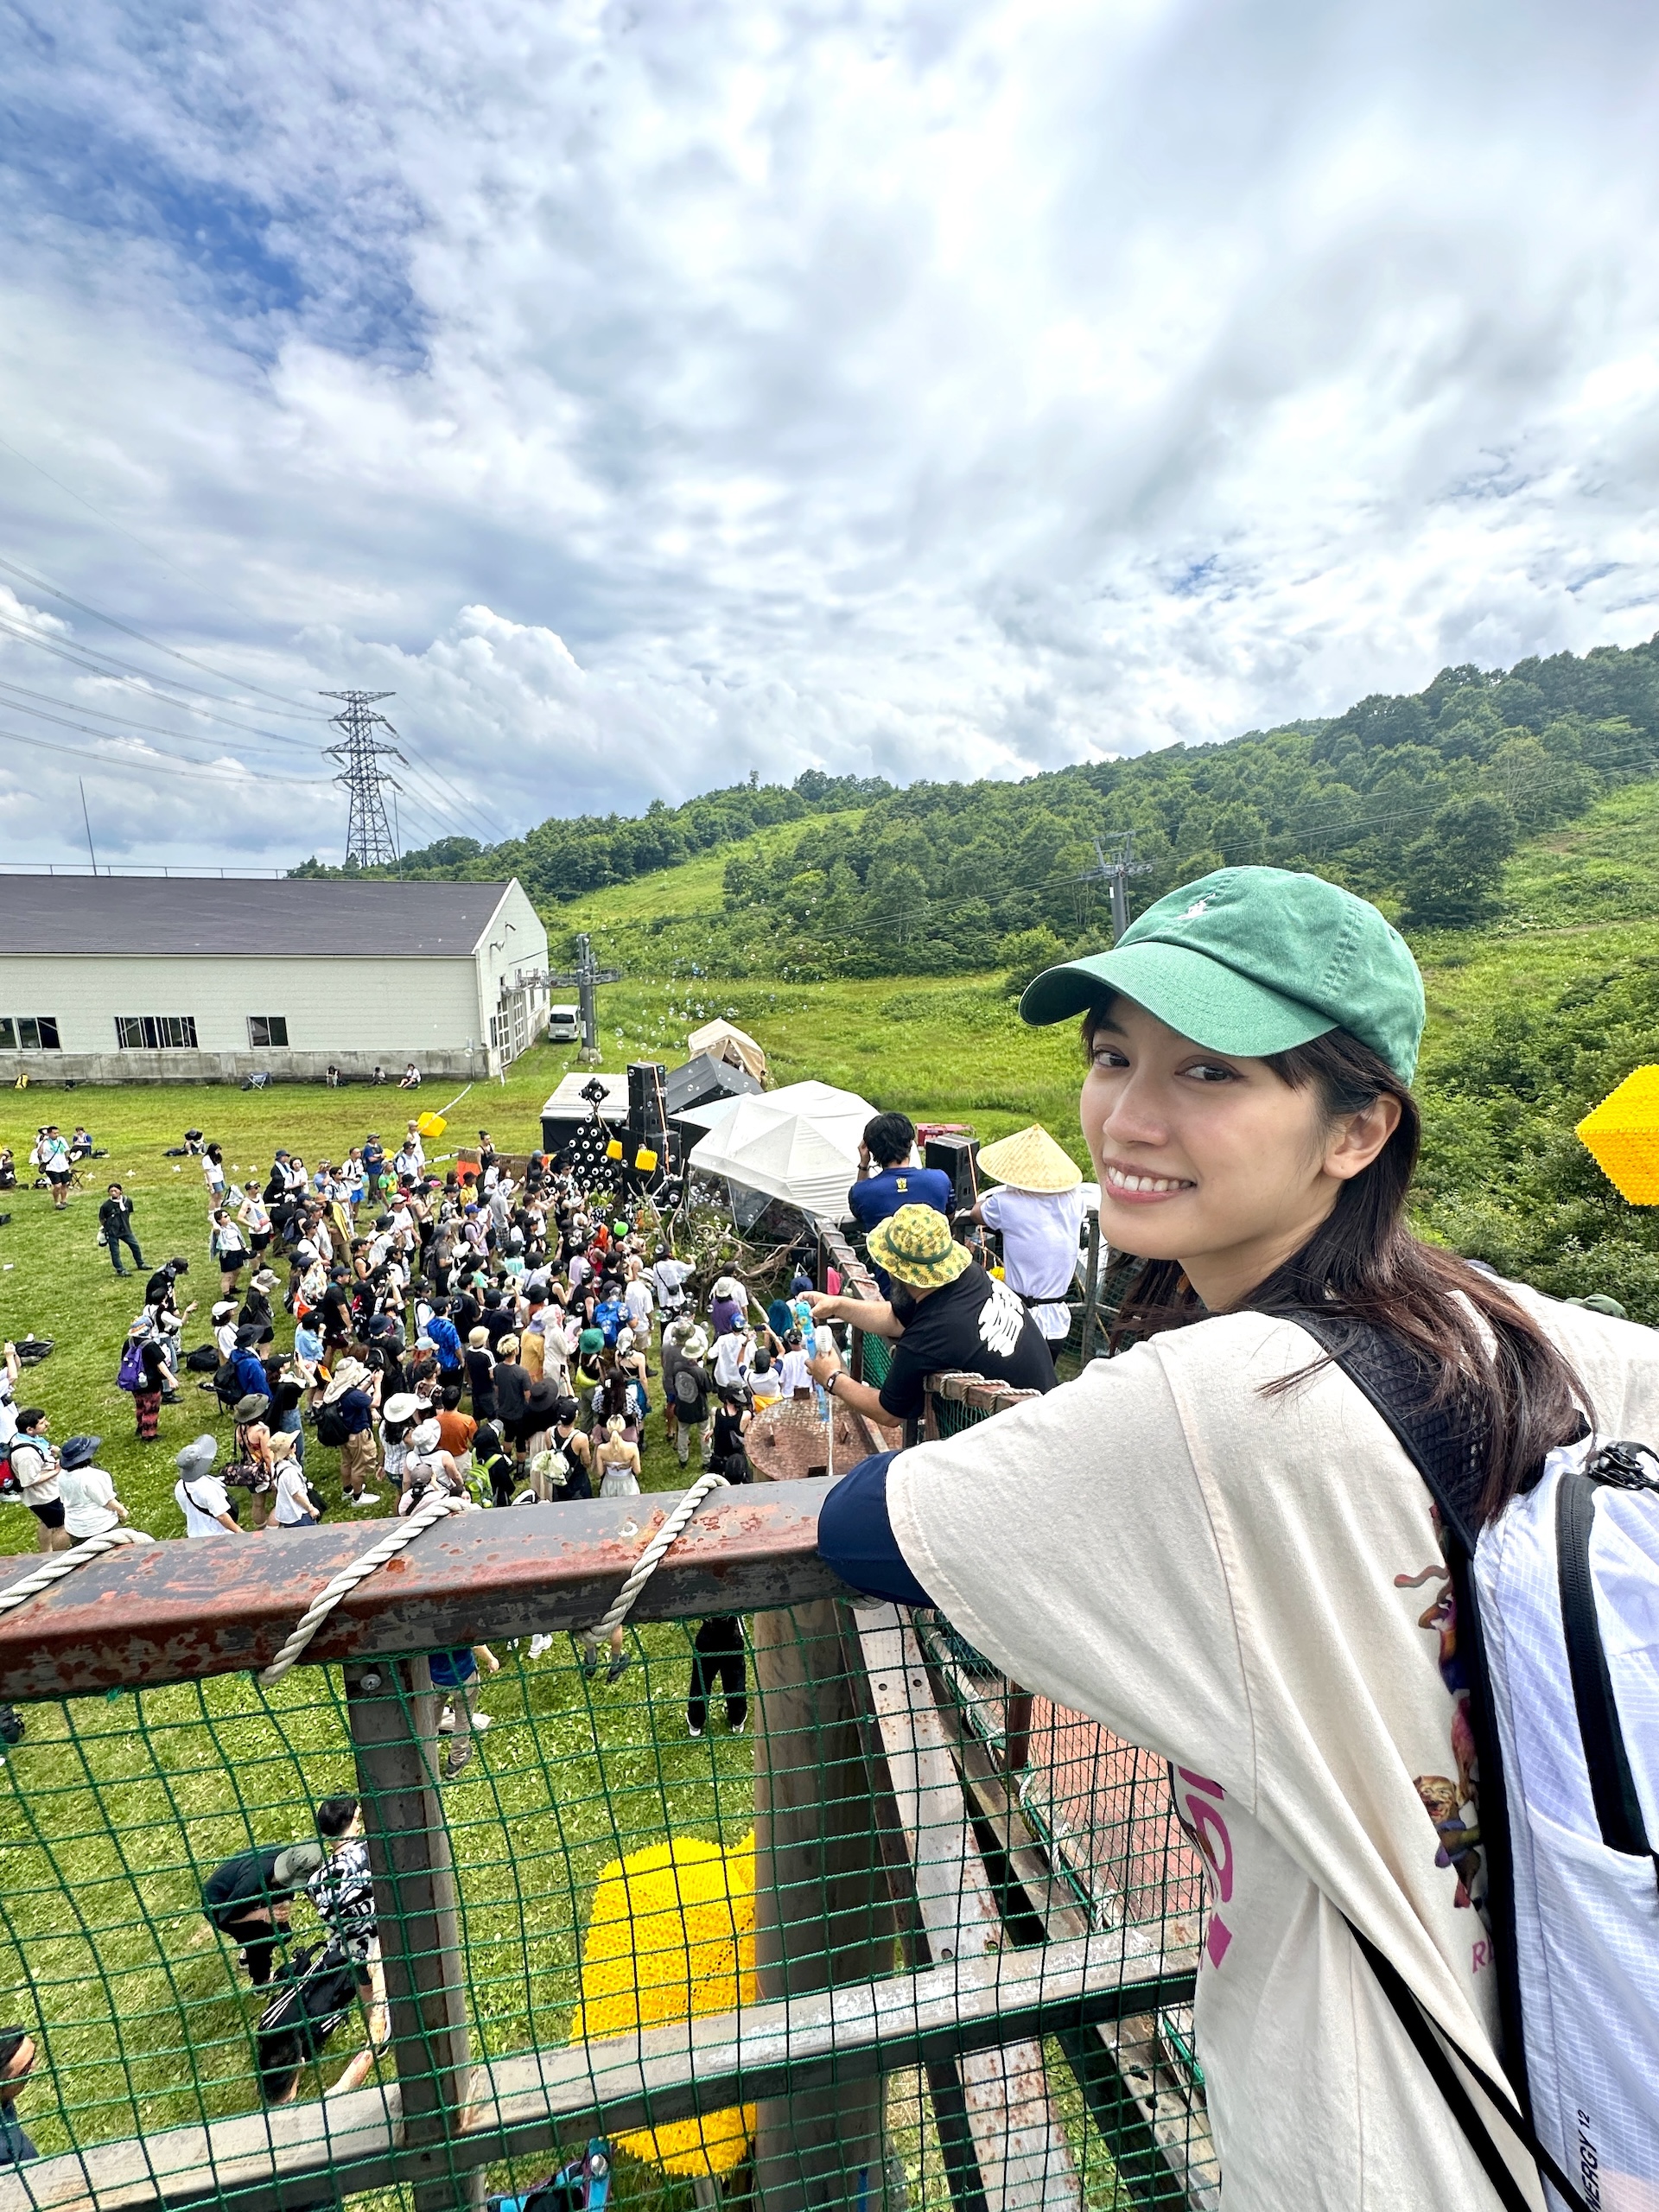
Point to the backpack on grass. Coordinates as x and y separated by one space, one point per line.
1557 1627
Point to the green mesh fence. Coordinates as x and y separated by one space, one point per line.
580 1868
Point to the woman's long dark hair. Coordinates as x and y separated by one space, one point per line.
1363 1262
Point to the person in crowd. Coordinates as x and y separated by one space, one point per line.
252 1466
254 1214
1250 1043
115 1219
212 1174
342 1895
888 1177
765 1384
287 1417
457 1432
52 1153
427 1466
494 1462
10 1368
732 1419
18 2050
687 1384
8 1168
87 1491
35 1470
256 1307
734 1355
373 1158
247 1368
454 1676
199 1493
353 1393
729 1306
617 1461
227 1244
669 1279
571 1474
292 1504
795 1369
411 1079
481 1373
221 1317
717 1657
943 1312
513 1383
159 1382
1038 1210
246 1897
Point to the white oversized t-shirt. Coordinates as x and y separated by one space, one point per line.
1251 1586
1040 1231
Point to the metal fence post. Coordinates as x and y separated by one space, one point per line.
394 1717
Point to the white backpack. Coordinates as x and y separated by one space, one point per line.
1568 1579
1558 1621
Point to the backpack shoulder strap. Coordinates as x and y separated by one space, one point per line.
1447 1451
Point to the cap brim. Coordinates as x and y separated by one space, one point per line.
1212 1004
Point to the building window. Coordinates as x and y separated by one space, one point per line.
33 1032
266 1030
155 1032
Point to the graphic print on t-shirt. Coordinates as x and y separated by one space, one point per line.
1001 1320
1445 1799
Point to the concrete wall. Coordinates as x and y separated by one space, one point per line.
55 1068
355 1009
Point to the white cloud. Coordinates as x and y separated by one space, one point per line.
943 387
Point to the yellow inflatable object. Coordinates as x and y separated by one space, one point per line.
613 1150
671 1935
431 1125
1622 1136
645 1159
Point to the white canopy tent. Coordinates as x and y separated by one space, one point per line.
799 1144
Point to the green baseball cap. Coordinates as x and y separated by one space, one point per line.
1255 961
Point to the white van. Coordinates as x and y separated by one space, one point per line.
564 1025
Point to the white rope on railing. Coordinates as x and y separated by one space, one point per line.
56 1565
645 1566
424 1516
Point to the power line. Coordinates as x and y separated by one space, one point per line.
56 591
164 768
119 672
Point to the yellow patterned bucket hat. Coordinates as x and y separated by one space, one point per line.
915 1246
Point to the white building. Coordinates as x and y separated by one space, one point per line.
142 979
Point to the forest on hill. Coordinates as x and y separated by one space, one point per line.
1416 800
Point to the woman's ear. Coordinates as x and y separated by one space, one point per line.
1356 1139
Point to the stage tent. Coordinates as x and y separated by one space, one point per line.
799 1144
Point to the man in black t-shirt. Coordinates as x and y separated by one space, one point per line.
944 1314
246 1898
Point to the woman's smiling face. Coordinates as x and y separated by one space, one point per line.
1211 1159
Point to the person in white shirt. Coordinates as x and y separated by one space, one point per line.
91 1507
223 1321
1215 1545
292 1506
794 1370
637 1297
1039 1213
732 1353
35 1469
669 1277
199 1495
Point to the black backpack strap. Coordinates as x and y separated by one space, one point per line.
1613 1786
1446 1449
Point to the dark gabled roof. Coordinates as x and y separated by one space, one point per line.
205 915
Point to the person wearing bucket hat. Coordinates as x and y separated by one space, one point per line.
1216 1545
944 1314
91 1507
199 1493
346 1419
1038 1210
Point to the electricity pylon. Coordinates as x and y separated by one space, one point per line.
368 834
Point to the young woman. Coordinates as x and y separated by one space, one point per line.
227 1246
1216 1547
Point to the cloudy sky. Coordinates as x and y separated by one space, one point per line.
643 393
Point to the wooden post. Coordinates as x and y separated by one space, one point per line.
822 1916
394 1722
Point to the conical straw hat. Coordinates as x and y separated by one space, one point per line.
1030 1160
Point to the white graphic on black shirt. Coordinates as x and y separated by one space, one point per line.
1001 1320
